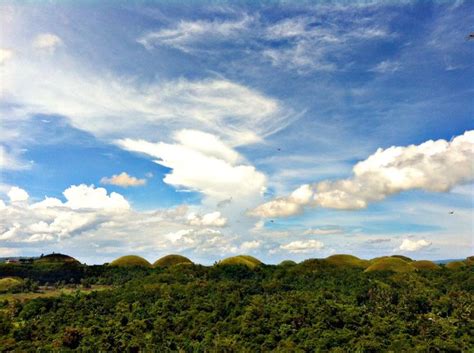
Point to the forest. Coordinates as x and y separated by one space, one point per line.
338 304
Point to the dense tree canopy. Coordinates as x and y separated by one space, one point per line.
313 306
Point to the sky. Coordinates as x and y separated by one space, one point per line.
282 130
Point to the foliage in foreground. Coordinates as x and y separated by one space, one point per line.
309 307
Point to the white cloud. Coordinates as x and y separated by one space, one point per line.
323 231
10 160
284 207
250 245
303 246
414 245
102 104
86 224
213 219
124 180
435 166
83 196
188 36
386 66
5 54
207 166
17 194
302 45
311 47
48 202
47 41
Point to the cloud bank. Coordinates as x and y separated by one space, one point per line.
105 222
435 166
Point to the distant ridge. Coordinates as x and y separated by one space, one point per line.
445 261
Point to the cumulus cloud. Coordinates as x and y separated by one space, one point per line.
202 162
105 225
302 246
285 206
414 245
123 180
213 219
83 196
435 166
17 194
47 41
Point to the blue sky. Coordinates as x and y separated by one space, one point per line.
280 130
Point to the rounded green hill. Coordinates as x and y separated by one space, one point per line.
425 265
394 264
130 261
455 265
404 258
245 260
287 263
172 260
346 260
56 259
10 283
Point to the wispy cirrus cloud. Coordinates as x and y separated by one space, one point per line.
190 36
102 103
386 66
301 43
12 160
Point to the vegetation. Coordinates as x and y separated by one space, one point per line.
287 263
9 284
425 265
404 258
314 306
455 265
347 260
245 260
130 261
393 264
56 259
172 260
